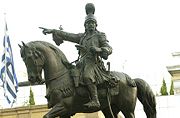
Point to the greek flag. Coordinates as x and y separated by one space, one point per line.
7 74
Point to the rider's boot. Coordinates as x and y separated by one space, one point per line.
94 102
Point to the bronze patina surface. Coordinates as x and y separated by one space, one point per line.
84 86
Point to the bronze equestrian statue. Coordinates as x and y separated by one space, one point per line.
65 99
86 86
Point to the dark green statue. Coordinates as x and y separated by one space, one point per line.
93 47
87 86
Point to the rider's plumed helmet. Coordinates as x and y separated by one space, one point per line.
90 9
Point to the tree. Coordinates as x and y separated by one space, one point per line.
171 92
164 88
31 97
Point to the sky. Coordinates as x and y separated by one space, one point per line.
142 33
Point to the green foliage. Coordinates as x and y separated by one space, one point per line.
31 98
171 92
164 88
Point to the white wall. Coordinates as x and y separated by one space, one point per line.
167 107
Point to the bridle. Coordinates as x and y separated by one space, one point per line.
39 63
37 60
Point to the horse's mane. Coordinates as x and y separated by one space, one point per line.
45 44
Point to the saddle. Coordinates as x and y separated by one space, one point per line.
108 78
82 91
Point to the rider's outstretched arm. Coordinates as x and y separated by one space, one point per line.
62 35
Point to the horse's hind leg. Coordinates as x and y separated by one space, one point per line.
128 114
108 114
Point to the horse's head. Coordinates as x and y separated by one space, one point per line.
34 62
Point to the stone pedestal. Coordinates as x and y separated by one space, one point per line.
38 111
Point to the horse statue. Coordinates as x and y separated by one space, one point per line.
65 100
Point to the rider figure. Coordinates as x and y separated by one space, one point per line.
92 47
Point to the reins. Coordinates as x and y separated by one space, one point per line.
56 75
109 102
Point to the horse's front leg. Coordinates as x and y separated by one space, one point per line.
57 110
66 116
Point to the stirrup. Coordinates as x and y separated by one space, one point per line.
92 104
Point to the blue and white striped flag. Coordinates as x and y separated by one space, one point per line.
7 75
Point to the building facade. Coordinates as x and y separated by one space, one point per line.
174 70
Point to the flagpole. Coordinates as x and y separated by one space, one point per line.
5 32
7 73
5 49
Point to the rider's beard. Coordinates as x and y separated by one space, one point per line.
91 29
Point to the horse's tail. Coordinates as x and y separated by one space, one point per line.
146 97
